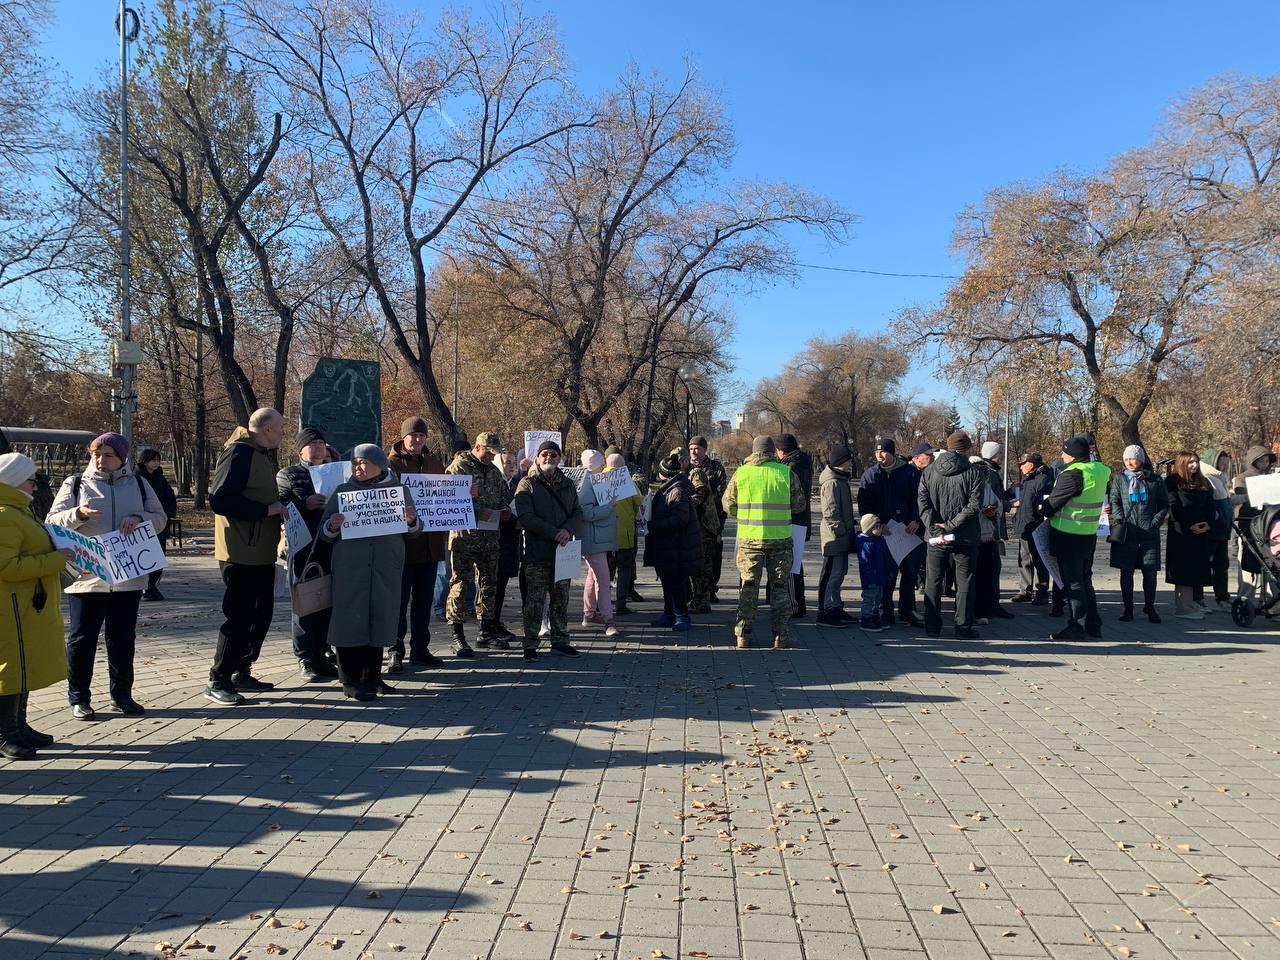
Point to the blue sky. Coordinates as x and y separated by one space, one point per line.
902 112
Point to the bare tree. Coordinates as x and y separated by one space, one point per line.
401 129
626 228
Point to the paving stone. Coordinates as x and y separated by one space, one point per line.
442 817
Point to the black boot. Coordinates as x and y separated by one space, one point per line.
1127 616
490 637
33 738
460 646
12 744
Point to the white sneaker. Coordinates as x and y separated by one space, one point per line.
982 621
1190 615
1197 605
1223 606
610 630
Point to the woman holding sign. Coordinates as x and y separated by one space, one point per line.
31 650
369 517
108 496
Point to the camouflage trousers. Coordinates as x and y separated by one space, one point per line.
754 557
537 584
474 559
704 583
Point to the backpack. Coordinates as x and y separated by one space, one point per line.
76 481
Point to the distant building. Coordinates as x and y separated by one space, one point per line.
740 421
720 427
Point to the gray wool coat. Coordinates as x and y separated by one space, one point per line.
366 577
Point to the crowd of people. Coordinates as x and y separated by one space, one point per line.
936 522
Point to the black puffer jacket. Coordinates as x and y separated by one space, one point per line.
801 465
673 545
951 494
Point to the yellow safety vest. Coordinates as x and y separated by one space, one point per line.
1083 511
764 501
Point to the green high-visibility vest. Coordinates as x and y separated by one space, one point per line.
764 501
1083 511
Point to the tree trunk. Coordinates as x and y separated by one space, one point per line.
201 453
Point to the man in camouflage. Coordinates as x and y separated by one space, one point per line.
706 503
547 510
719 480
766 522
474 553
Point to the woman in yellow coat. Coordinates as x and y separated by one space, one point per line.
32 650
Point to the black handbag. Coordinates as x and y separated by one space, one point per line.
1119 533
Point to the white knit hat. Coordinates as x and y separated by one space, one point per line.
1135 452
991 450
15 468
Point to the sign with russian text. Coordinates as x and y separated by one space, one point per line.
372 512
535 438
296 534
443 500
90 555
616 484
135 555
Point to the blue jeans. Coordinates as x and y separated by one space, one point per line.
871 594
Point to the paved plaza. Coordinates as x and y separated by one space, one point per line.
885 796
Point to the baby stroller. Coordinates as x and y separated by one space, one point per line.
1259 534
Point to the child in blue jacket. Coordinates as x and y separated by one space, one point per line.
873 570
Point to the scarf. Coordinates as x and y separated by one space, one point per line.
1137 486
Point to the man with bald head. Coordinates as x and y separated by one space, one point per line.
246 534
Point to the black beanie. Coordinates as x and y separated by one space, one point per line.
1078 447
670 465
839 455
887 445
547 445
308 435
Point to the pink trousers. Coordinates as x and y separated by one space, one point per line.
597 598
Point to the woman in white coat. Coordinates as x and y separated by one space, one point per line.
106 497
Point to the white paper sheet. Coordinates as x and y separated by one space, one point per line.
569 561
900 543
798 533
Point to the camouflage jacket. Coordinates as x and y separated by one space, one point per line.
705 501
492 491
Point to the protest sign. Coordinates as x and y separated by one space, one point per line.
90 555
372 512
443 501
296 534
568 560
1040 540
1263 490
327 477
580 477
616 483
112 557
534 439
135 555
900 543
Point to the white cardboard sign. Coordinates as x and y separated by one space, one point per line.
327 477
443 500
135 555
900 543
372 512
296 534
568 561
616 483
534 439
1263 490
